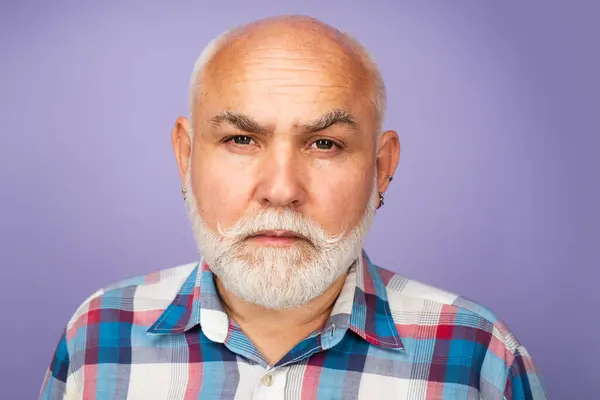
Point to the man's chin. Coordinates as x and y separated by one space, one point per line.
268 257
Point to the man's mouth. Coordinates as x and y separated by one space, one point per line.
276 238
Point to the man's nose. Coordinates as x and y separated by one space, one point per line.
281 182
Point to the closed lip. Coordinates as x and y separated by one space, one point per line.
279 233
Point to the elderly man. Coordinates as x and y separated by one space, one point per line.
283 164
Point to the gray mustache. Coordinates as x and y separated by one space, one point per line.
269 220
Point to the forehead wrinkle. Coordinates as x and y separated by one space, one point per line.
290 76
290 61
302 60
289 79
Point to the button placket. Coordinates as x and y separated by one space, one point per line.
271 384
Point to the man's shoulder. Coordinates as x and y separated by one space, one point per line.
415 303
457 333
145 294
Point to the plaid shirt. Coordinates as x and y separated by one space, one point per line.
166 336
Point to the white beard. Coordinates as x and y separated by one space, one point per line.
278 277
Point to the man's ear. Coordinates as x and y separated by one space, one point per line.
388 157
182 146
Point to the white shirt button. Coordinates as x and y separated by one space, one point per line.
267 380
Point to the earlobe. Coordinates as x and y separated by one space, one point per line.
180 138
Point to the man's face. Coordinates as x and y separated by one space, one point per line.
283 136
326 175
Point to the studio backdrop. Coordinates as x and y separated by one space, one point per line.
495 197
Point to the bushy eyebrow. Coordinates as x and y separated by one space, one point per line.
333 117
248 124
240 121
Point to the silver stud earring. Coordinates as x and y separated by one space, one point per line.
381 200
184 192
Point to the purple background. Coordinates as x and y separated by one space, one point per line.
496 196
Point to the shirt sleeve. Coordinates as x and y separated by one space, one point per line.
523 381
55 380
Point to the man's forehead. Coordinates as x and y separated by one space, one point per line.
293 74
282 107
282 102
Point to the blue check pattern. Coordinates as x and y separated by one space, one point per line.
166 336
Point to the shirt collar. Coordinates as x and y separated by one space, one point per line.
362 307
196 303
371 317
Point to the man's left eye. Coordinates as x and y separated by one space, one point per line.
324 144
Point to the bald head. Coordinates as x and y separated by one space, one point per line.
303 45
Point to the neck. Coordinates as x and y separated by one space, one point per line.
246 313
275 332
